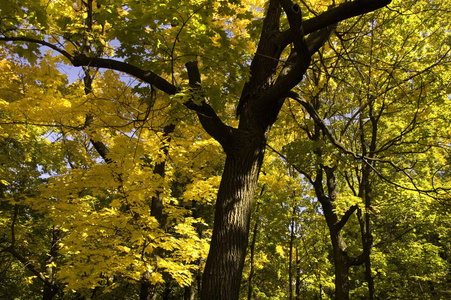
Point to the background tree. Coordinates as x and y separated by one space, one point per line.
383 133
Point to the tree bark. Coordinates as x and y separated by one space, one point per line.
222 274
189 293
298 276
339 248
147 290
341 264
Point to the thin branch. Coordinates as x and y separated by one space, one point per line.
29 266
314 114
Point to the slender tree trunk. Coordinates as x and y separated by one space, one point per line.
290 266
252 254
339 248
147 290
370 279
51 290
365 191
189 293
365 230
298 276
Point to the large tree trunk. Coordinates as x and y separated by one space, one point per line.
260 103
222 274
341 266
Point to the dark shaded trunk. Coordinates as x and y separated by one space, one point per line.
259 105
370 279
298 276
341 265
222 274
252 255
50 290
341 260
365 190
148 291
367 238
189 293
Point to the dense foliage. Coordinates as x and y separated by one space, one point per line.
133 134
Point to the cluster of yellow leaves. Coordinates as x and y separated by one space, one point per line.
103 209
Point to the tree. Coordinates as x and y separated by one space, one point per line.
28 237
154 43
86 210
382 134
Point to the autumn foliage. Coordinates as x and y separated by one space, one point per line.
306 142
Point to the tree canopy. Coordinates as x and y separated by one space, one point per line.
225 149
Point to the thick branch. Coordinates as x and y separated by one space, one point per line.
294 16
264 64
102 149
334 15
83 60
299 59
346 217
342 12
357 261
206 114
318 38
147 76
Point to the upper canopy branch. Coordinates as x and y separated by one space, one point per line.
294 16
145 75
320 122
37 41
81 60
207 116
334 15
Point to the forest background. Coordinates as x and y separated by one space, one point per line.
225 149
